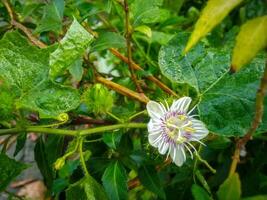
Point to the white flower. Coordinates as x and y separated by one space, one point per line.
172 129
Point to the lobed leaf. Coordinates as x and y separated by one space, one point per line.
224 106
71 48
24 68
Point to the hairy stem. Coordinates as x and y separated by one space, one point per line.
84 132
83 164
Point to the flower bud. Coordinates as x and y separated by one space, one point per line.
60 162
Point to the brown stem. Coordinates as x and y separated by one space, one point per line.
122 90
20 26
9 10
81 119
128 38
29 34
255 123
137 67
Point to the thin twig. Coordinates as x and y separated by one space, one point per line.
128 37
20 26
9 10
255 123
137 67
122 90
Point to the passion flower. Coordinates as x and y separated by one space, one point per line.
172 129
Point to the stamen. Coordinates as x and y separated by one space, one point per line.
183 153
192 110
167 105
191 146
191 154
196 140
163 107
190 129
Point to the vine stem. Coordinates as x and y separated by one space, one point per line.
83 164
205 163
84 132
128 37
255 123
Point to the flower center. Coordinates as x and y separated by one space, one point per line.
178 128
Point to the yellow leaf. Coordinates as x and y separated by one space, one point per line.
213 13
251 39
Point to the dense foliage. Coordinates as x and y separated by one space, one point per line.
79 73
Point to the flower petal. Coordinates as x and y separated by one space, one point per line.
154 139
163 147
155 110
153 127
177 154
181 105
201 130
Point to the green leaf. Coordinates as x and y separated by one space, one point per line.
59 185
148 11
200 68
145 30
45 155
76 70
42 162
220 142
230 188
25 69
108 40
202 180
21 140
224 106
7 102
112 139
199 193
149 178
115 181
250 40
22 65
9 169
258 197
71 48
161 37
213 13
50 99
86 188
52 17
